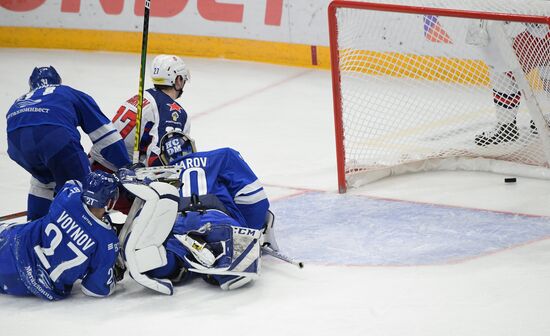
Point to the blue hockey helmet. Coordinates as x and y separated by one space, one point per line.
174 146
44 76
100 190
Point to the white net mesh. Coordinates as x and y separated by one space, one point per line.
418 87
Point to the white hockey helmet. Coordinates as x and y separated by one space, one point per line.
166 68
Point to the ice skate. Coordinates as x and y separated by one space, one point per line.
502 133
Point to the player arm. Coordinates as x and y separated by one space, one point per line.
248 193
187 126
100 281
108 147
153 150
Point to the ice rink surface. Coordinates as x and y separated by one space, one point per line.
440 253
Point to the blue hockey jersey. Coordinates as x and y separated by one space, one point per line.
224 173
67 244
66 107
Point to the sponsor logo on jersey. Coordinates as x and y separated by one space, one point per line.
37 286
28 110
27 102
175 116
43 278
112 246
87 220
172 125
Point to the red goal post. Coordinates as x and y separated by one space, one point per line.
406 101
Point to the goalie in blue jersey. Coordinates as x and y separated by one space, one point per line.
220 226
43 137
47 256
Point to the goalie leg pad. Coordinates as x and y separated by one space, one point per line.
146 228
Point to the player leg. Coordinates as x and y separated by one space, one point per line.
52 155
40 196
506 99
70 162
506 93
23 148
532 48
544 97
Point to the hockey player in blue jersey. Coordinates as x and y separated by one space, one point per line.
46 256
222 173
43 137
223 214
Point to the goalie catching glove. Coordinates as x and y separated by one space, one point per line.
215 245
198 249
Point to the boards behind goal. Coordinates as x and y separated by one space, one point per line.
418 83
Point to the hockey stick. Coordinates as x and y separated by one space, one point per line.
145 35
13 215
282 257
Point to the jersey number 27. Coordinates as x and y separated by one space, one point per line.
43 252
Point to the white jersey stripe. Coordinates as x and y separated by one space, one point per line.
251 199
101 132
41 190
249 188
100 145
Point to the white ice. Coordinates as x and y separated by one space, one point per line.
280 119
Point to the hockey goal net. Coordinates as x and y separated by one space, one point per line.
425 85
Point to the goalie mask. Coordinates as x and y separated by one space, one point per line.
174 146
100 190
44 76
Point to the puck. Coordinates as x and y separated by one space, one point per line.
510 179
